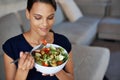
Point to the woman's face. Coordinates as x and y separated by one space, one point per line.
41 18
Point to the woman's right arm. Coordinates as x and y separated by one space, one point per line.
25 63
10 69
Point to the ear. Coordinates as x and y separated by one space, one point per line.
27 14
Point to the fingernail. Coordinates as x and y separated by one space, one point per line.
43 74
21 53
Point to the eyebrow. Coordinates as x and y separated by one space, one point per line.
41 15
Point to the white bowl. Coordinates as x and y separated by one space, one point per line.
50 70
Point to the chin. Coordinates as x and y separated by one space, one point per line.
44 33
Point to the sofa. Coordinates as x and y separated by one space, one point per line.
110 25
90 62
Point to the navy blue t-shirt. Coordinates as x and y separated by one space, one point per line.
14 45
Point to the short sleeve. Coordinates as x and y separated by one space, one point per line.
7 48
67 44
62 41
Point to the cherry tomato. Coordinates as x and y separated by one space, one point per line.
46 50
59 62
44 64
44 41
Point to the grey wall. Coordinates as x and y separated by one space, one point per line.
8 6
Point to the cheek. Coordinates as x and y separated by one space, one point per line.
34 23
51 23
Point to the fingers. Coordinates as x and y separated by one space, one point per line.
37 50
26 61
29 62
22 58
21 54
44 74
51 74
48 74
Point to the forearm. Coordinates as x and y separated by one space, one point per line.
21 74
62 75
25 63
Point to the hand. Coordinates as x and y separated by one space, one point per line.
48 74
26 61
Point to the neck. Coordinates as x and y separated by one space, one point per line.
35 39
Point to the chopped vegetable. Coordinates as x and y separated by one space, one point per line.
50 56
44 42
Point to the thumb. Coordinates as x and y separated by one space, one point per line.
21 54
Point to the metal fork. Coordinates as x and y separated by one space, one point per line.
35 48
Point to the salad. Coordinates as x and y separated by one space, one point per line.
50 56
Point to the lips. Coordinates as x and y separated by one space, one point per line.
43 29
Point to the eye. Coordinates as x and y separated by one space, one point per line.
37 17
51 17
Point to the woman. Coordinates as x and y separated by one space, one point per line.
41 15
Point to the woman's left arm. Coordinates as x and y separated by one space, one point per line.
68 73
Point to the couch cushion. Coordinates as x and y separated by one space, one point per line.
82 31
90 1
115 8
71 10
9 27
92 7
90 63
2 72
59 15
24 21
109 28
9 6
110 25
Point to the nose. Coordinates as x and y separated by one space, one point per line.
44 22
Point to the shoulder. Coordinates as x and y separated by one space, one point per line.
10 46
13 39
63 41
59 37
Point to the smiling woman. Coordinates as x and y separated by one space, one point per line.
41 15
41 18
